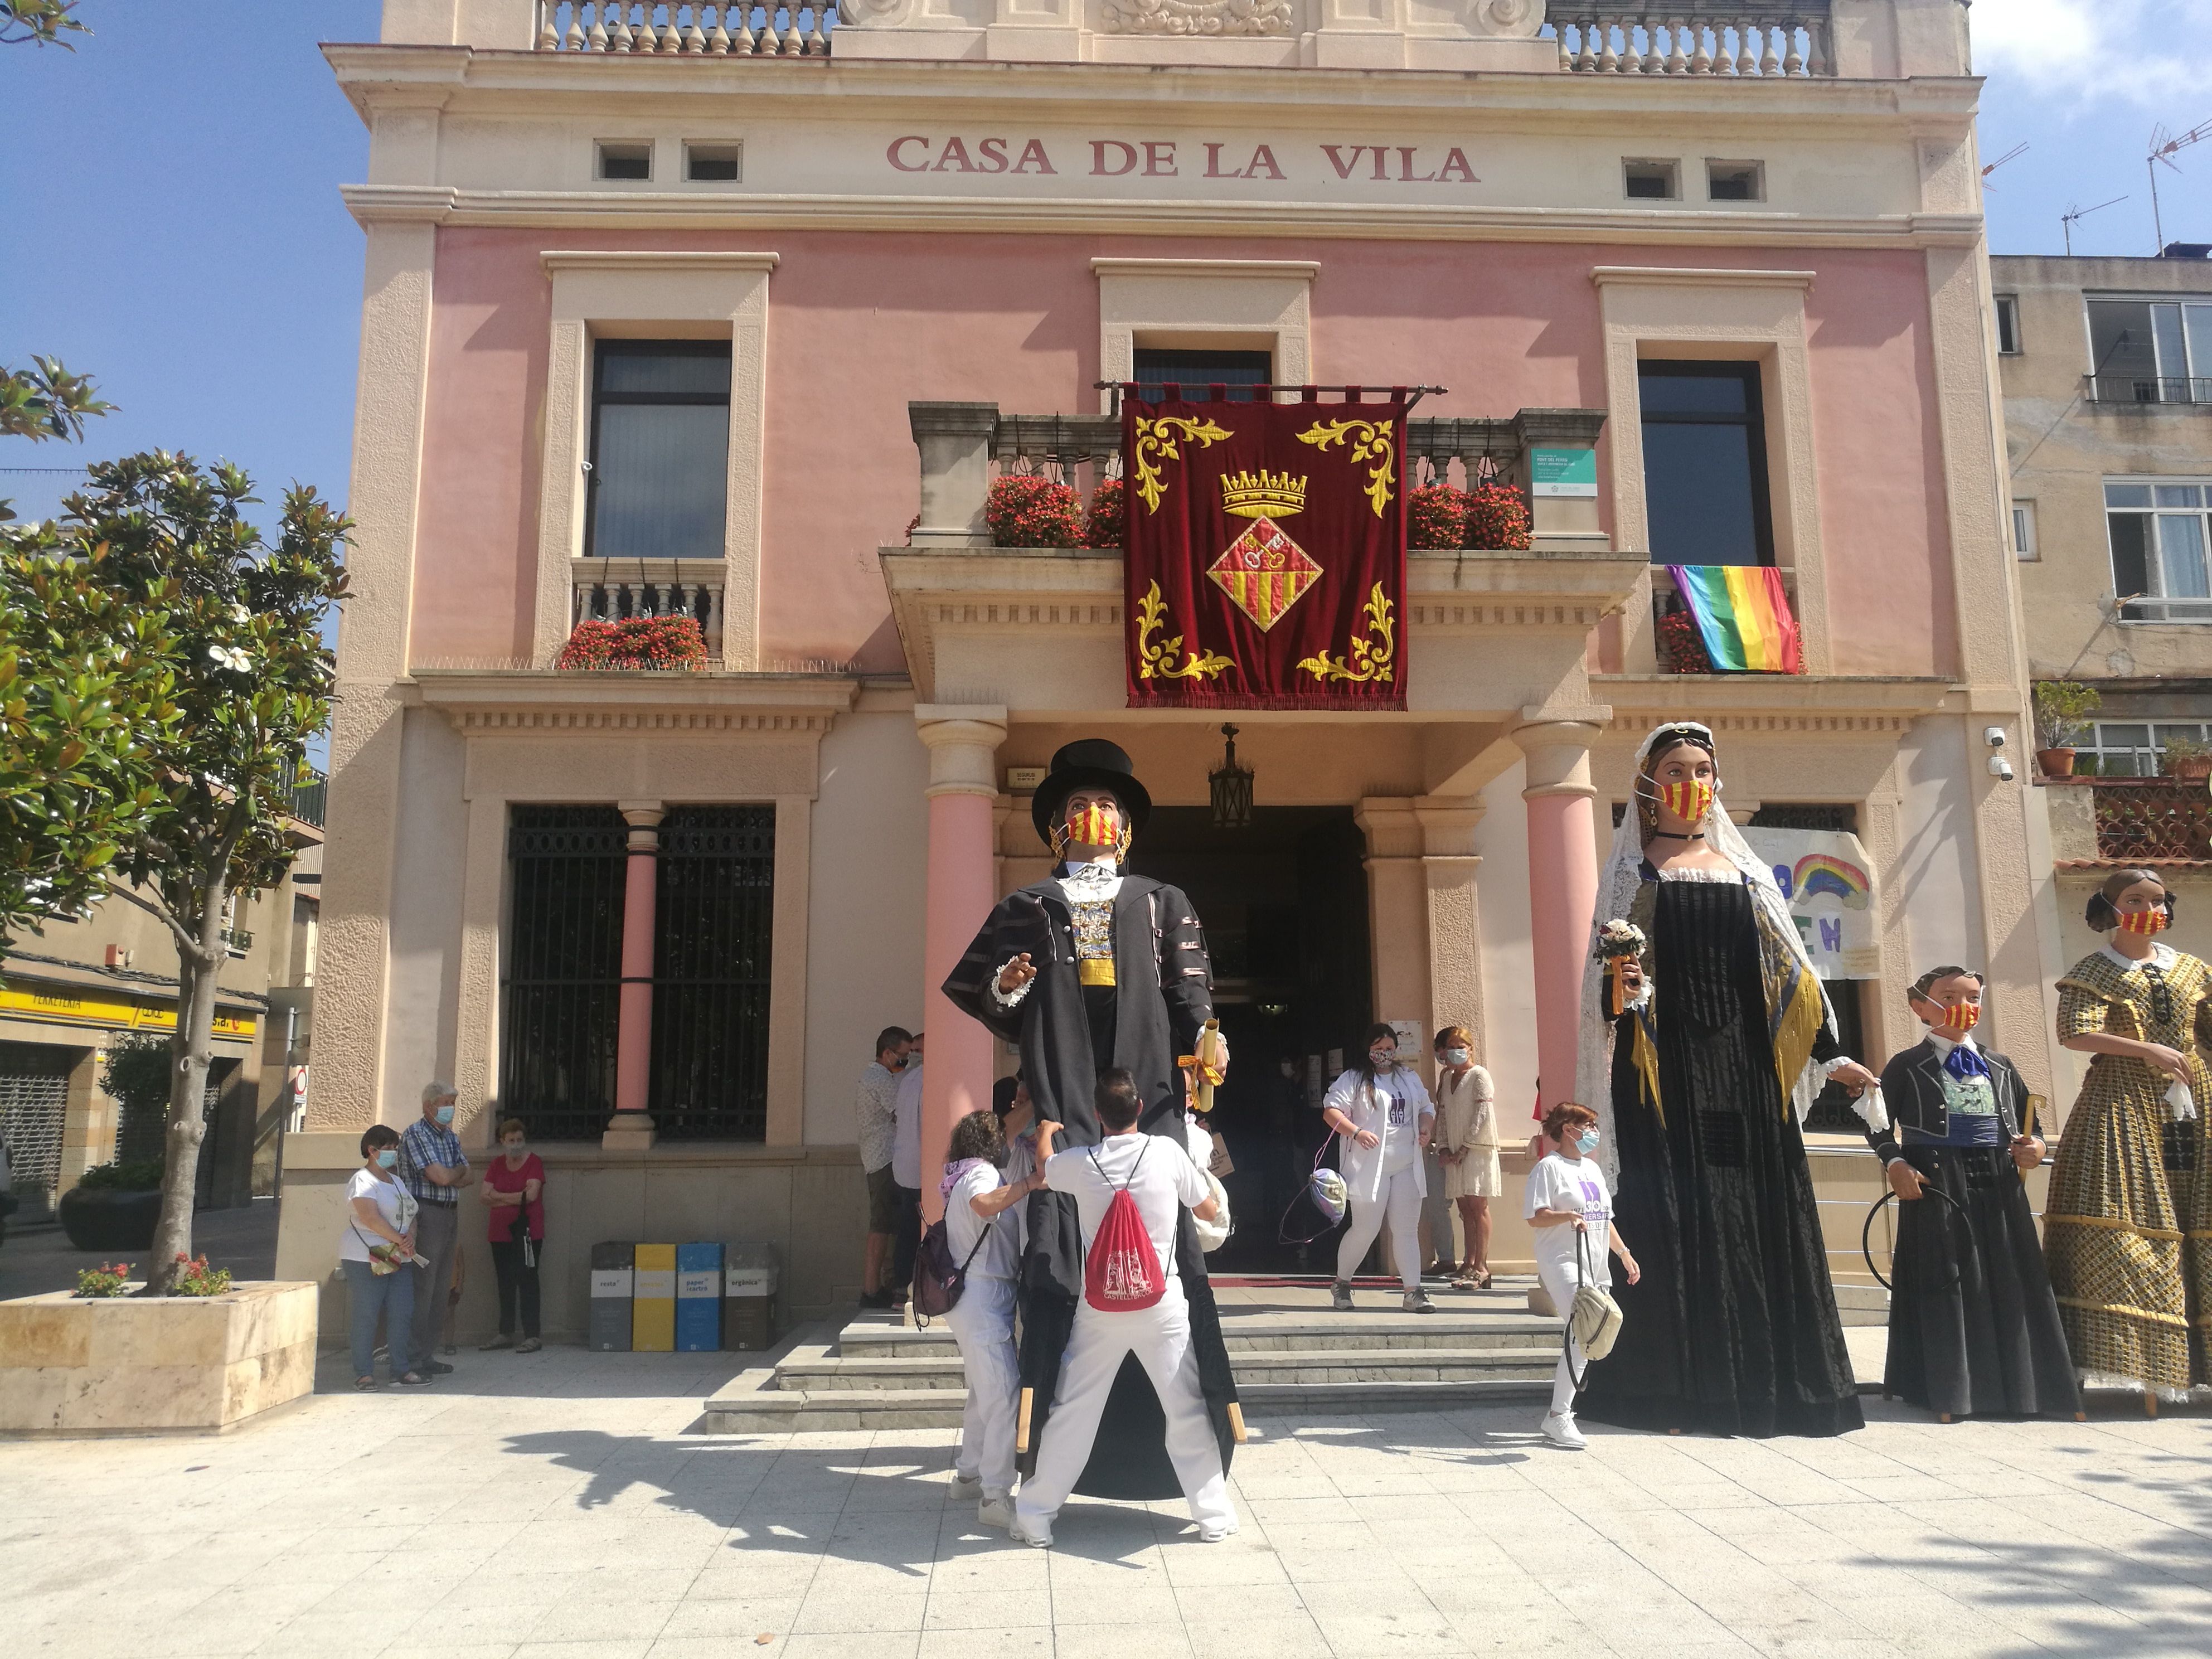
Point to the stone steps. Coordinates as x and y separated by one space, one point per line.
843 1374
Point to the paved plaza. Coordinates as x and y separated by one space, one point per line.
557 1506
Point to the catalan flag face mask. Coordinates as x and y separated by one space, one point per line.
2143 921
1688 799
1093 824
1960 1017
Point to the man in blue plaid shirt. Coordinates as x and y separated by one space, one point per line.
435 1170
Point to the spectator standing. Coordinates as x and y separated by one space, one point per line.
875 1116
1383 1120
1466 1144
980 1229
435 1170
376 1250
514 1194
1569 1209
906 1174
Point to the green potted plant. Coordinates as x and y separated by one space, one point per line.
2061 710
114 1206
2185 757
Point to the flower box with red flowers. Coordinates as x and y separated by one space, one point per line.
1023 510
636 642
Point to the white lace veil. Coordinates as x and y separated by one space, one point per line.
1616 891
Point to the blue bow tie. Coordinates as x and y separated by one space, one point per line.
1963 1063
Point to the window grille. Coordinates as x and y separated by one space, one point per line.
713 921
563 982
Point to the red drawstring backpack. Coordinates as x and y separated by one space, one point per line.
1122 1274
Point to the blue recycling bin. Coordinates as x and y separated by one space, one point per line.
698 1298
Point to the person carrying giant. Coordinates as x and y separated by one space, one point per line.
1091 970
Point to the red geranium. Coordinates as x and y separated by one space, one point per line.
1024 510
1496 518
1109 515
663 642
1681 646
1436 516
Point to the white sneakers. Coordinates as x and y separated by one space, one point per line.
1559 1430
966 1488
1035 1541
995 1512
1217 1535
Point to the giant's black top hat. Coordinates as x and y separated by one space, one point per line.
1089 763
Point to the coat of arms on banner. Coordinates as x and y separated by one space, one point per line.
1264 556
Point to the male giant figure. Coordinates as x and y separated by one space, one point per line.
1088 970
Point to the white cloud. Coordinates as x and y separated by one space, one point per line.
2084 53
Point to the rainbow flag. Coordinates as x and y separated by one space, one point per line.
1744 617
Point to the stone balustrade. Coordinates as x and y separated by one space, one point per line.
604 590
1698 37
663 27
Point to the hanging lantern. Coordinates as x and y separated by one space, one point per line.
1232 788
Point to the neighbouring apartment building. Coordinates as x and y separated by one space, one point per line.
73 987
736 313
2107 376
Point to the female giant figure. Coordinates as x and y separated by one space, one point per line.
1720 1048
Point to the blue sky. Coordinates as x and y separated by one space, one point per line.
173 226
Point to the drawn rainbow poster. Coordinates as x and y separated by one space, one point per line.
1828 883
1824 874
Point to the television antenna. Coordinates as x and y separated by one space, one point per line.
2012 154
2068 219
2163 145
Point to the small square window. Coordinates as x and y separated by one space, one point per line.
1652 181
2125 495
2007 324
1735 181
2023 530
625 160
714 164
2177 495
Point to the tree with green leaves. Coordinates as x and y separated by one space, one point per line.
207 722
38 24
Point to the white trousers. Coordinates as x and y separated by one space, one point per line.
1560 1284
1160 1338
982 1322
1400 1203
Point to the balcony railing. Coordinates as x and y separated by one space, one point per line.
1720 38
2146 389
605 589
2152 820
740 30
310 791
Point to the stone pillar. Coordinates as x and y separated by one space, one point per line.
955 441
1397 919
964 794
1448 862
1562 886
631 1129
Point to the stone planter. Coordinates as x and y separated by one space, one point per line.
130 1363
109 1219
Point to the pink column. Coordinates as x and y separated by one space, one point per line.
964 791
1562 888
631 1127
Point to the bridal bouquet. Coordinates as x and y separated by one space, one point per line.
1620 941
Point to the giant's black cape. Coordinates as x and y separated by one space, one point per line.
1151 1016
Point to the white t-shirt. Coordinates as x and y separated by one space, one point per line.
1000 1258
1565 1184
393 1202
1021 1163
1162 1182
906 1141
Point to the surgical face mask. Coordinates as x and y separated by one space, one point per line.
1586 1142
2143 921
1688 799
445 1114
1960 1017
512 1148
388 1157
1456 1056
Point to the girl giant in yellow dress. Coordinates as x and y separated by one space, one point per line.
2127 1229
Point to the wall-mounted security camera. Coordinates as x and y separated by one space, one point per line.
2000 768
1994 736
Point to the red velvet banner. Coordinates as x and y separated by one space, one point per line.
1264 560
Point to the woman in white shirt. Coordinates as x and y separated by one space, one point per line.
1466 1146
377 1251
982 1233
1382 1118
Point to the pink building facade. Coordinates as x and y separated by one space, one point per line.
746 333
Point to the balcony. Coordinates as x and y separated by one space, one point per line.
1716 38
603 590
310 791
2116 822
2134 389
742 30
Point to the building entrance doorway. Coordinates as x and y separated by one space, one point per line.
1283 903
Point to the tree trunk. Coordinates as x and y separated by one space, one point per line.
188 1053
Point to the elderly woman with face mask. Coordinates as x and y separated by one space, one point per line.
2128 1227
1384 1118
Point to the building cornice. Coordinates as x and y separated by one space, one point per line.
1297 269
1776 702
652 259
1695 276
481 702
445 205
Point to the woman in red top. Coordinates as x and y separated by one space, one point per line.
513 1189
